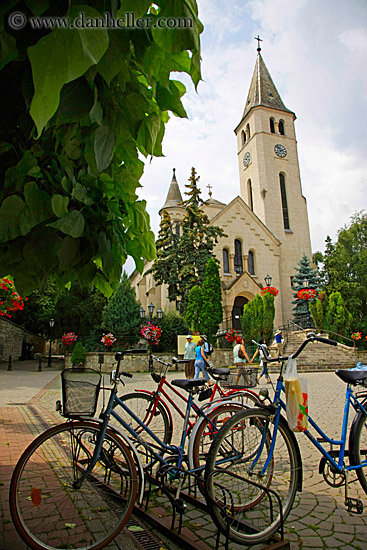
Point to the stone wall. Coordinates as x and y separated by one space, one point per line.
14 340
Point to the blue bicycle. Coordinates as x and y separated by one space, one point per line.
254 467
76 484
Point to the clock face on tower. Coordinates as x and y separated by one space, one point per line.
246 159
280 150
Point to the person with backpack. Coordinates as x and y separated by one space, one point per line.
263 362
200 361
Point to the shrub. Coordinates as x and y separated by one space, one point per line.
79 355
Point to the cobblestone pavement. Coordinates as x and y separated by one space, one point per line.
318 520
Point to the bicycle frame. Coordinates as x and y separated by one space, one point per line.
350 399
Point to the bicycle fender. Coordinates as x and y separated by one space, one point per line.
134 452
162 401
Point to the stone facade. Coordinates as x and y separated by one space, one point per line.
267 226
14 341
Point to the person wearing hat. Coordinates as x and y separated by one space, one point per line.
190 354
279 342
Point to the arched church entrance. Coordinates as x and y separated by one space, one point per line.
237 311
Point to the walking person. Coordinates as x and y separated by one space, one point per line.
200 361
240 357
263 362
190 354
279 342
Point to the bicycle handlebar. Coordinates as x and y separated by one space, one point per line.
311 337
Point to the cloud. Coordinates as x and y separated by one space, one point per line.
315 52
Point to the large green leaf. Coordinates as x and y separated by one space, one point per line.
76 100
114 59
59 205
60 57
148 133
13 219
169 99
71 224
103 147
8 48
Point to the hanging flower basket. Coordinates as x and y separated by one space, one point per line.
10 300
306 294
232 335
357 336
151 333
108 340
69 338
269 290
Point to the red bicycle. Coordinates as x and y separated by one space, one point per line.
155 408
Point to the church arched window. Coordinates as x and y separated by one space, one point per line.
251 263
272 125
225 261
249 194
283 195
238 265
248 131
243 137
281 127
177 229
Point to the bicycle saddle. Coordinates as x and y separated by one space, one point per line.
189 384
353 376
218 372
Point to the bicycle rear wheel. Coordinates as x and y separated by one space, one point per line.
358 447
239 492
49 512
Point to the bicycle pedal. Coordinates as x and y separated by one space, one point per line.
354 505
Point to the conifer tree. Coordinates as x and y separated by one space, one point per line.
193 310
338 319
304 272
121 314
211 314
165 268
181 261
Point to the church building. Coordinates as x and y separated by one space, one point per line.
266 225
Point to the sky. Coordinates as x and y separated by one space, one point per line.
316 53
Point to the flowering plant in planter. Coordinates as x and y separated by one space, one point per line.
357 336
108 340
306 293
232 335
10 300
270 289
151 333
69 338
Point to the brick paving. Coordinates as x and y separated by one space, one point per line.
318 519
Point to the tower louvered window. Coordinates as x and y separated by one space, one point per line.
238 265
284 201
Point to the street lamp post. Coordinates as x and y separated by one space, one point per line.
142 316
51 322
268 280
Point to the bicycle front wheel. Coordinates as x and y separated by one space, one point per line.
50 512
246 498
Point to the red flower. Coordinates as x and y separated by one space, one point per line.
269 289
357 336
306 294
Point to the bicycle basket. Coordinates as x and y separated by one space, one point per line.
247 379
80 390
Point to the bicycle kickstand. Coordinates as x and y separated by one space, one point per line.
353 505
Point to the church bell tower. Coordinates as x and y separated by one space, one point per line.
269 174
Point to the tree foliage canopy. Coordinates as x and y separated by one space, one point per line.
345 268
121 314
78 107
258 318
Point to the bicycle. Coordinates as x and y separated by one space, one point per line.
256 451
76 484
153 407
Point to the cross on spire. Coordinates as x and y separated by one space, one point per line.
258 42
210 190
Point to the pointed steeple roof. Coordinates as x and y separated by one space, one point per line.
262 89
174 197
